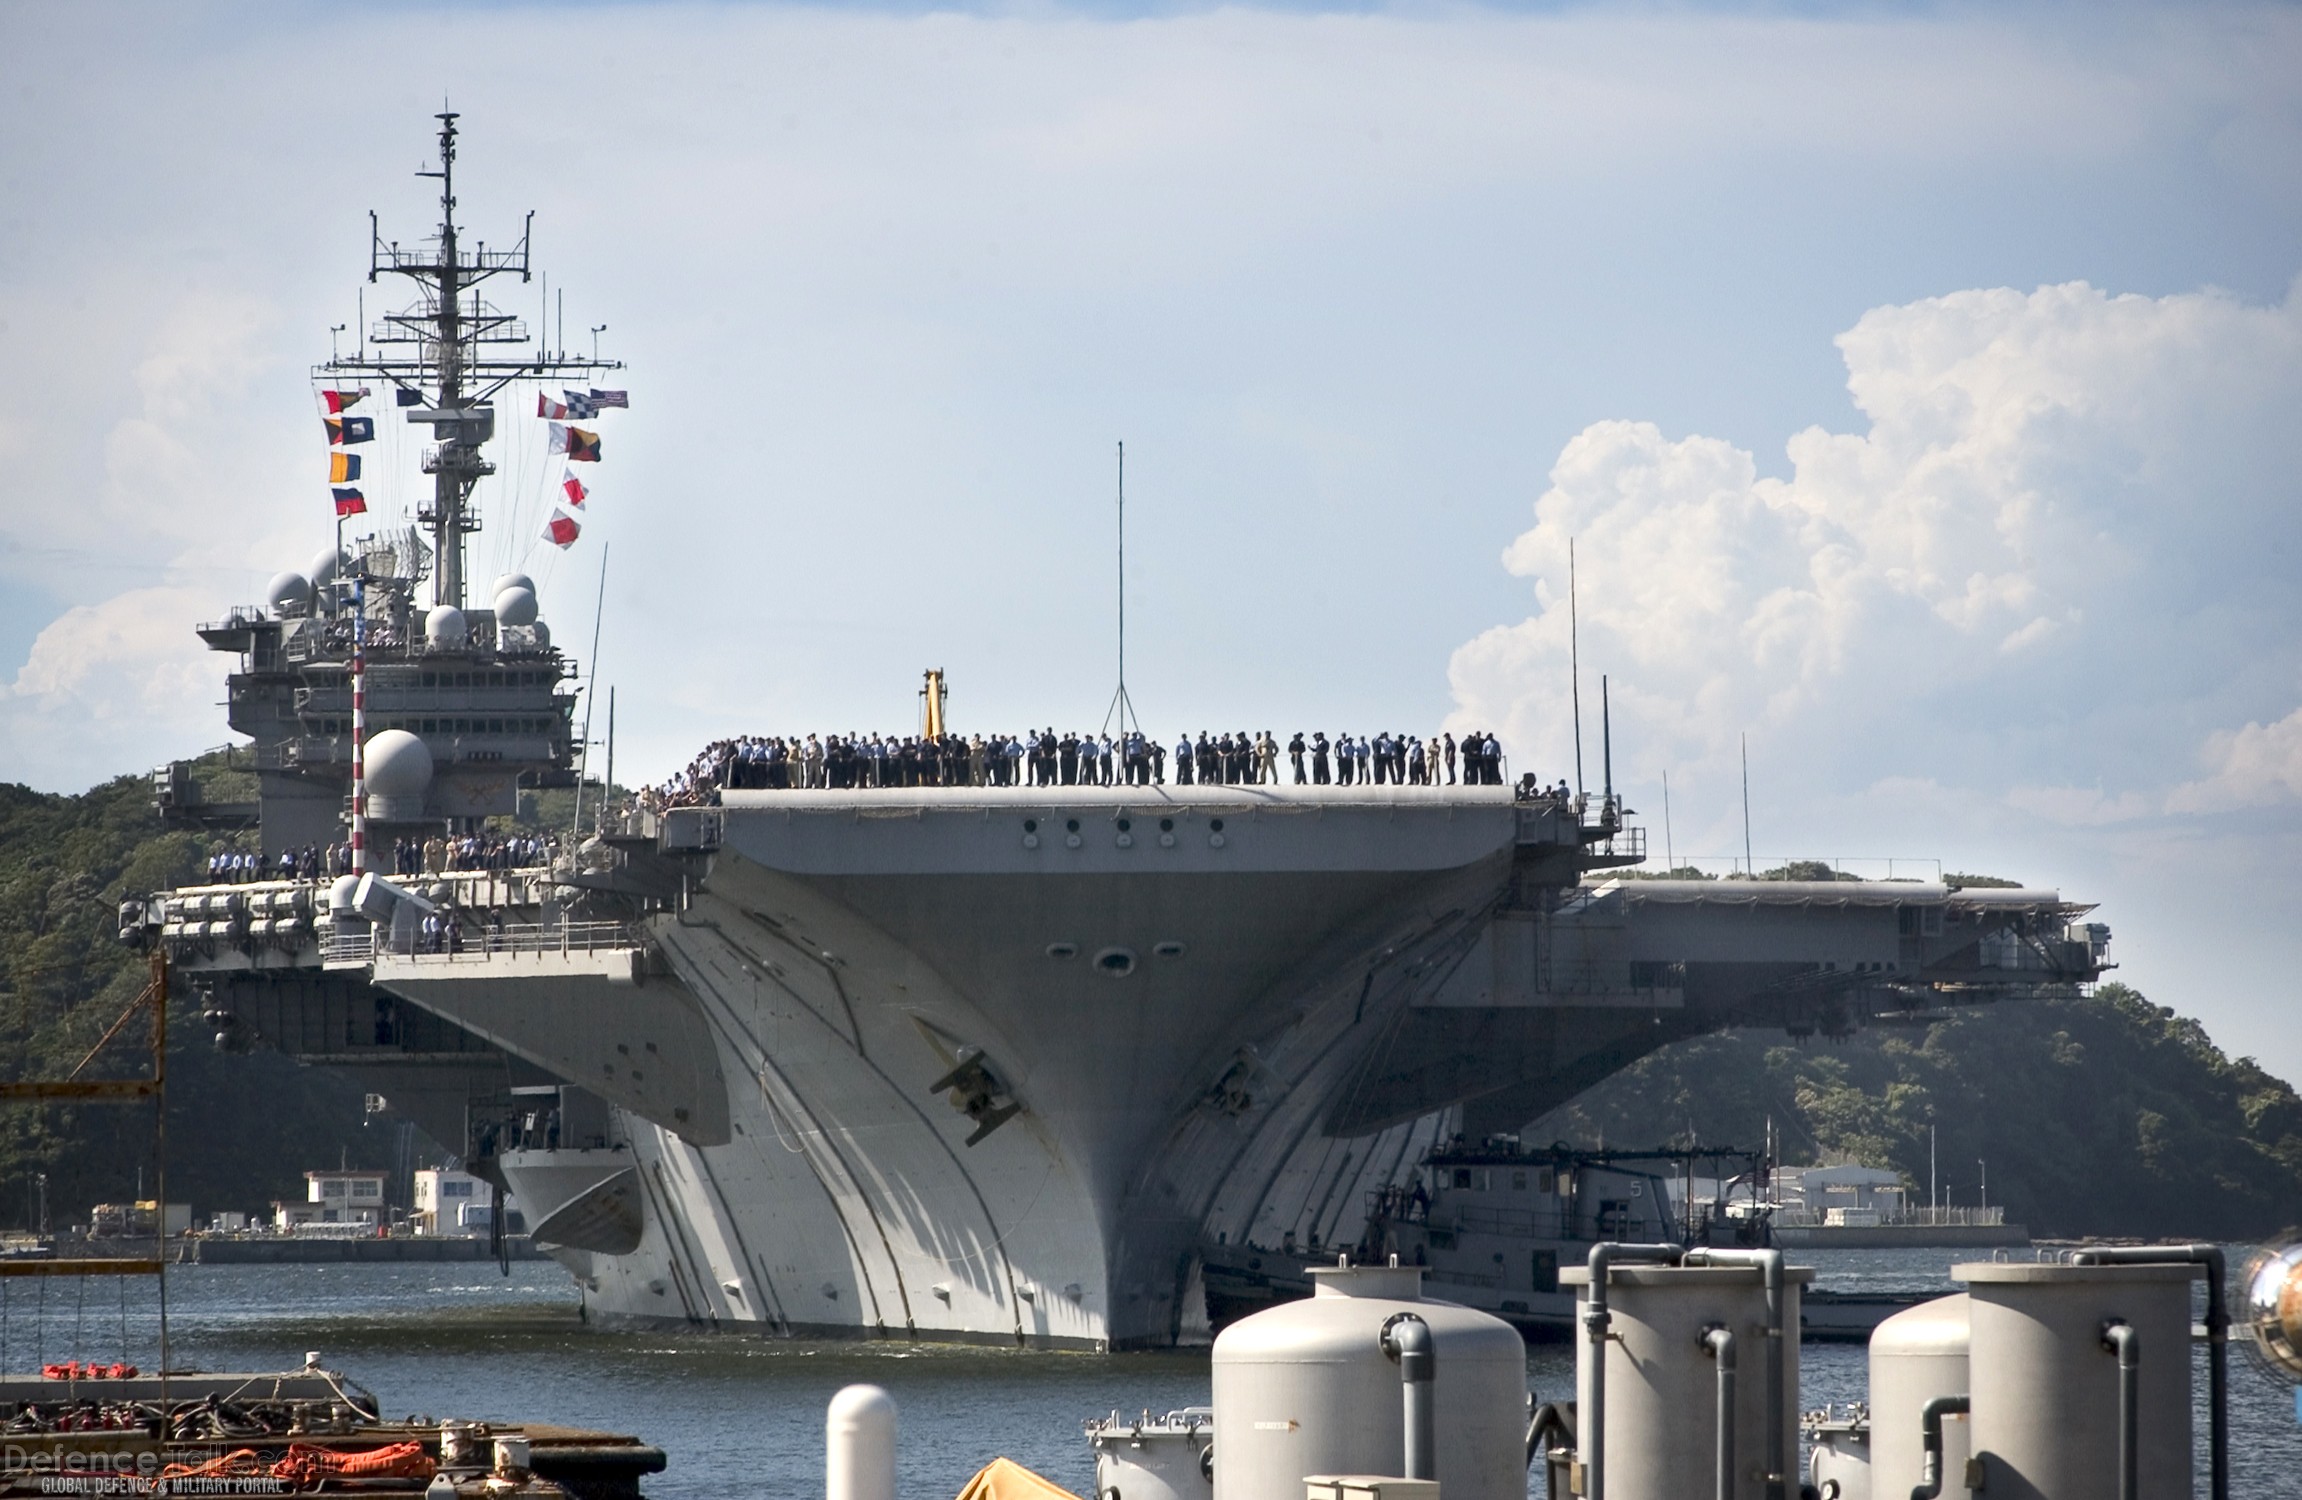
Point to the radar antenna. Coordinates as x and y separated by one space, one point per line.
444 349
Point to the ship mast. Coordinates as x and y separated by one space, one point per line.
444 347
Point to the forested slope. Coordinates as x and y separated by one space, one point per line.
2100 1116
241 1130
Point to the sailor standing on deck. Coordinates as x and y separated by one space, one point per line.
1295 756
1183 760
1319 757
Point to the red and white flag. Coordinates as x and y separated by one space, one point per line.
562 530
573 488
547 407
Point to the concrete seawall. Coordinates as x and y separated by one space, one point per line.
1901 1236
288 1250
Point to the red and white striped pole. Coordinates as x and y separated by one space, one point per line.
360 722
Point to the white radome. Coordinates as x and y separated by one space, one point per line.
445 628
326 566
398 765
288 593
516 606
512 581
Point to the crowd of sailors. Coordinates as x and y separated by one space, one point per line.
1045 758
436 855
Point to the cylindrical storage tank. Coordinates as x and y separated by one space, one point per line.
2045 1389
1305 1388
1662 1386
1915 1356
1156 1458
1838 1461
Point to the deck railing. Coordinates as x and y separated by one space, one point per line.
481 942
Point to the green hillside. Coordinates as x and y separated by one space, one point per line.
2101 1116
241 1130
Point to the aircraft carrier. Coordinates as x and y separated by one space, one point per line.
1002 1064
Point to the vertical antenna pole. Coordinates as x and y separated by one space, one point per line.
1122 707
360 720
1575 663
1123 582
1748 867
607 785
1606 741
599 607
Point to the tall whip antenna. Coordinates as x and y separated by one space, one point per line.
591 692
1748 867
1575 663
1122 707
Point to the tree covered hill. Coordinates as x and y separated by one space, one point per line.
241 1130
2099 1116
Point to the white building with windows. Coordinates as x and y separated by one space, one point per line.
454 1203
345 1199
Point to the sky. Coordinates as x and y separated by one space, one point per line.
1916 386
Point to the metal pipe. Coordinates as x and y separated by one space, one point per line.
1930 1418
1550 1427
1596 1321
1718 1340
2217 1339
1407 1339
1770 1267
2120 1338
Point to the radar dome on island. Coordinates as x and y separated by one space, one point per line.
445 630
399 774
516 606
289 593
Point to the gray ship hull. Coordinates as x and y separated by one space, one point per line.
939 1064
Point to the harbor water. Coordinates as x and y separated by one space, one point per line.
738 1414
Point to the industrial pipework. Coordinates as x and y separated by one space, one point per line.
1407 1339
1718 1342
1769 1263
2217 1339
1596 1321
2120 1337
1930 1423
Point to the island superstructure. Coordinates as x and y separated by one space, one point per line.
1000 1063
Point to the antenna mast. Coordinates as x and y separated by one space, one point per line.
438 348
1122 707
1575 663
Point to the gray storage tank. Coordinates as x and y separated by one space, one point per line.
2045 1387
1306 1388
1661 1400
1915 1356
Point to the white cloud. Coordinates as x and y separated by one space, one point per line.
2249 767
2063 539
106 683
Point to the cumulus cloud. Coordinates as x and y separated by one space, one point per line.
2249 767
104 683
2058 554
